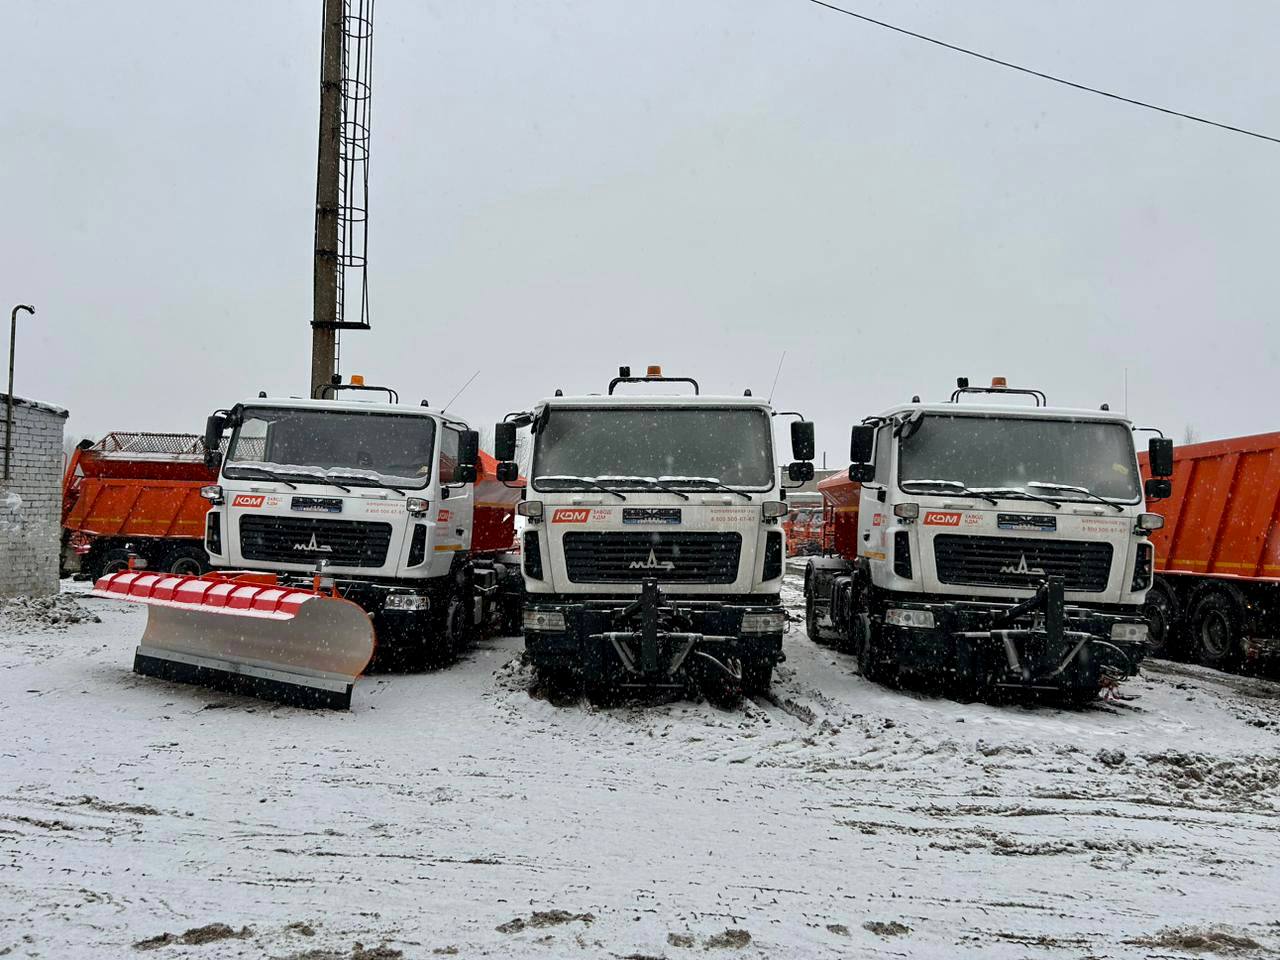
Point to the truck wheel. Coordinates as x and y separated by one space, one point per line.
1217 631
861 645
112 561
458 633
811 622
757 675
186 560
1163 619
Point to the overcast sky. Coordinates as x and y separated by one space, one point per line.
561 186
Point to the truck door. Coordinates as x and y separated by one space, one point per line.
453 516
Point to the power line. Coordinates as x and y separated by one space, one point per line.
1044 76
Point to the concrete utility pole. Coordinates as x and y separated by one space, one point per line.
324 316
8 406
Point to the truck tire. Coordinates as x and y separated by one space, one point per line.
457 628
109 561
1164 620
185 559
811 622
1217 630
757 675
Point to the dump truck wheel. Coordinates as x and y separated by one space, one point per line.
187 560
1217 628
757 675
458 631
1163 619
811 622
111 561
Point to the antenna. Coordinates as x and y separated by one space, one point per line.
459 393
777 374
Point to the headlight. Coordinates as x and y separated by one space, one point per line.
212 492
1130 632
921 619
775 621
907 511
544 619
417 506
530 508
773 509
406 602
1150 521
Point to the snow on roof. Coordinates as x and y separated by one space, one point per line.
35 405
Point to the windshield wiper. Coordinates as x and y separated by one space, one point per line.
269 474
955 485
1020 492
589 481
709 481
1081 490
655 481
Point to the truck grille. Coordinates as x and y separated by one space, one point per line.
1084 566
629 557
350 543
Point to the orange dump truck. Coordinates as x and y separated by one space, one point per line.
136 493
1216 596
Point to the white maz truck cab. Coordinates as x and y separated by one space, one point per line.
653 552
991 545
390 504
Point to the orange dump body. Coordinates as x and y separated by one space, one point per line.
1223 518
840 511
494 529
137 485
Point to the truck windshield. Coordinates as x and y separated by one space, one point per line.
1008 453
611 444
347 446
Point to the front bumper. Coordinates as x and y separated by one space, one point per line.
653 640
1033 651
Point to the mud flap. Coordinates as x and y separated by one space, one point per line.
248 634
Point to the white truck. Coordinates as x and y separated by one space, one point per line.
989 545
394 505
653 554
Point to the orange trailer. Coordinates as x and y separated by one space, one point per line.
137 493
1217 589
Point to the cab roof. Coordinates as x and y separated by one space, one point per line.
1007 410
349 406
668 400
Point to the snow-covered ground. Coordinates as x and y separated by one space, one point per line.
452 813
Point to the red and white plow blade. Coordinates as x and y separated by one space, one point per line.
248 633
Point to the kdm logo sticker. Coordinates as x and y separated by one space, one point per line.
251 501
941 518
571 516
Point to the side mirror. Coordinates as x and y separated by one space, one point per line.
465 473
1158 488
508 471
468 448
504 442
801 471
862 472
213 428
862 443
1160 456
802 439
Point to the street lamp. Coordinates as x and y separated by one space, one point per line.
8 409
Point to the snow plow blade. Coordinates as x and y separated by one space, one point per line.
248 634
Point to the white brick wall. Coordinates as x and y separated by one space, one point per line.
31 501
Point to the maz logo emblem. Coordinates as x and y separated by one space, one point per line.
651 564
1022 568
313 547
